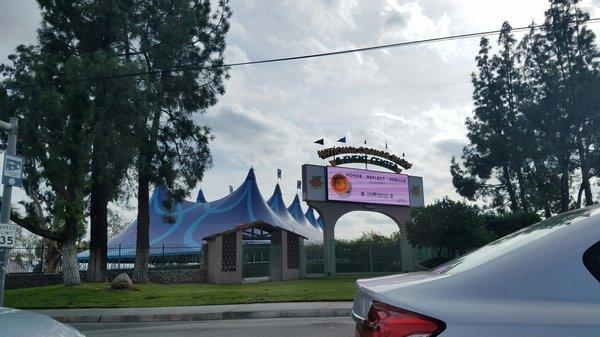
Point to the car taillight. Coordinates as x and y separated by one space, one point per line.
385 320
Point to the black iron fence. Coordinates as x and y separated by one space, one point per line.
47 259
358 256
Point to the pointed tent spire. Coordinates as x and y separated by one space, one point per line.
251 175
320 223
277 205
310 216
295 210
200 197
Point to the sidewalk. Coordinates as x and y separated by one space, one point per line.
201 313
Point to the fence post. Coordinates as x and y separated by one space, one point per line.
119 257
371 256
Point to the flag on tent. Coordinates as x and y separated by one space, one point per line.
320 141
278 173
230 189
342 140
298 184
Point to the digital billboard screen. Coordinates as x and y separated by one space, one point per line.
373 187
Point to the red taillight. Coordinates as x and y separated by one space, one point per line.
387 321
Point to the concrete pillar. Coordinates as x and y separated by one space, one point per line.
276 255
215 274
329 248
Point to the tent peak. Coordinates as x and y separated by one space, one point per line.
200 198
251 175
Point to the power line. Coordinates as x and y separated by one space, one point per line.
297 57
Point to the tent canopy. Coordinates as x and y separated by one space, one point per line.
187 223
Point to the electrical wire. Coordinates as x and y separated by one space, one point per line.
294 58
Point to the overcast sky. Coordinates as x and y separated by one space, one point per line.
414 98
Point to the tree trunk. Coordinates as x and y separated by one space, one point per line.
585 173
510 188
579 194
564 185
98 227
140 270
51 256
70 266
539 173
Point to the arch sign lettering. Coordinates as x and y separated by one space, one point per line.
343 184
364 155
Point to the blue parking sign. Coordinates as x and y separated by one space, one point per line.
12 175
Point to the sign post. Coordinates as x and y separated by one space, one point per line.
11 176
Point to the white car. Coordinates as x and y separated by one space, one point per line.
20 323
542 281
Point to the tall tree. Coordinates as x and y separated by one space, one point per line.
491 155
574 57
81 37
536 117
54 144
172 148
538 102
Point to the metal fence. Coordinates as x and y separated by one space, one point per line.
359 256
47 259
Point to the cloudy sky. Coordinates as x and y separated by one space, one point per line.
414 98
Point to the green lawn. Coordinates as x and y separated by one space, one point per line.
99 295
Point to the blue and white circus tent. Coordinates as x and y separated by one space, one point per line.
310 216
278 206
295 209
182 228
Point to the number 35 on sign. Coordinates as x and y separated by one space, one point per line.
7 235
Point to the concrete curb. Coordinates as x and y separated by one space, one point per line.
201 313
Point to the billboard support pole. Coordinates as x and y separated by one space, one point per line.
12 127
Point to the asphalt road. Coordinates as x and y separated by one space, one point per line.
277 327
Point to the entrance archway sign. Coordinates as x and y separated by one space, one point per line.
334 191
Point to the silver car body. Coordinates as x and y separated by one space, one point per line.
20 323
531 283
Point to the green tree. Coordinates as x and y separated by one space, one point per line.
533 137
572 60
84 36
172 150
502 224
54 145
447 226
493 158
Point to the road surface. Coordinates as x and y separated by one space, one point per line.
277 327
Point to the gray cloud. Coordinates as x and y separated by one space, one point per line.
395 19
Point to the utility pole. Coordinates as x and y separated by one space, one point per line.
10 178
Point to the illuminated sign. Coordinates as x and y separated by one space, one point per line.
373 187
364 155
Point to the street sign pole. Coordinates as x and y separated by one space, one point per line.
12 127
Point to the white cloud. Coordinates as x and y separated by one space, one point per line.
413 98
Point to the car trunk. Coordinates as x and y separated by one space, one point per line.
378 289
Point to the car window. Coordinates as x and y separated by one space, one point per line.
514 241
591 260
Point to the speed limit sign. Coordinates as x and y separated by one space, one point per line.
7 235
